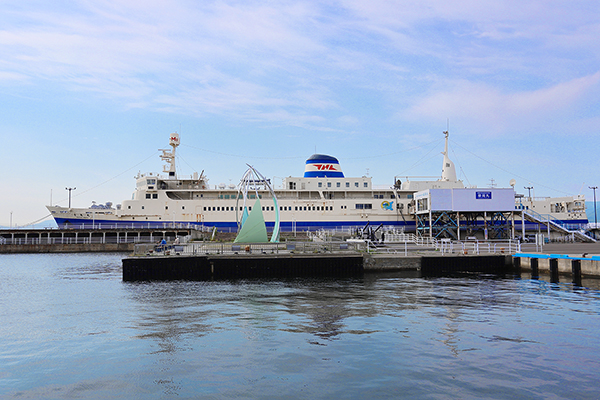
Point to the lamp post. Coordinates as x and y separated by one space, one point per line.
595 215
69 189
529 188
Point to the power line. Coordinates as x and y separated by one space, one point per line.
509 172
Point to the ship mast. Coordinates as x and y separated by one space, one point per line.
448 170
169 156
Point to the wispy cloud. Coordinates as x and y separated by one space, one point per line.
224 56
492 111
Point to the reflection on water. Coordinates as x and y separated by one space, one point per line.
72 328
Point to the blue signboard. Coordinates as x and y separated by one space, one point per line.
483 195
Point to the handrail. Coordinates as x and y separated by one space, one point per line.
557 224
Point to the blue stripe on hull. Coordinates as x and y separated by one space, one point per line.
285 226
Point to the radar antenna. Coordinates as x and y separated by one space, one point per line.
169 156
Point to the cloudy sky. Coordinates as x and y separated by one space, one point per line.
90 90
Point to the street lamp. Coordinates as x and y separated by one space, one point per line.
595 215
69 189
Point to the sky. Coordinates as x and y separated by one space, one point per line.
90 90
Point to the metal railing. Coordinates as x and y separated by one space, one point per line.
208 248
305 247
73 240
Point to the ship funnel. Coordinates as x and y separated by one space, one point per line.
322 166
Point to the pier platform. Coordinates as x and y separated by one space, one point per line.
235 266
85 240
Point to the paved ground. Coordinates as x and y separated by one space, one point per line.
567 248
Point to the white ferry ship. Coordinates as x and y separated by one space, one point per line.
321 199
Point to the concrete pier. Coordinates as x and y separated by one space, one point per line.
559 264
228 266
85 240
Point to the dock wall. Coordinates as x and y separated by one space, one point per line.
589 267
67 248
207 267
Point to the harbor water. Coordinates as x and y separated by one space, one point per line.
71 328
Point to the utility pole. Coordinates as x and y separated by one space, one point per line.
69 189
595 215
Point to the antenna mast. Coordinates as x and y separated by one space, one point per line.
169 157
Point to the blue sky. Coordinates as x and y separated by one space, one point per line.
90 90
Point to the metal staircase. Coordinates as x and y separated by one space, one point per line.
556 225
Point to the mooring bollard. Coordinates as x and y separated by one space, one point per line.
535 270
576 272
553 270
516 266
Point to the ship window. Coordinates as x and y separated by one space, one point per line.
129 207
409 196
313 208
356 184
204 208
366 184
214 209
320 184
142 207
328 184
304 208
347 184
166 207
155 195
263 208
393 196
148 195
295 208
272 208
250 208
338 184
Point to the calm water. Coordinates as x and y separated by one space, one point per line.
70 328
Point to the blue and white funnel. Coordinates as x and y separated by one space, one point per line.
322 166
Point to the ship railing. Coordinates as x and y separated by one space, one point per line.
205 248
135 225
